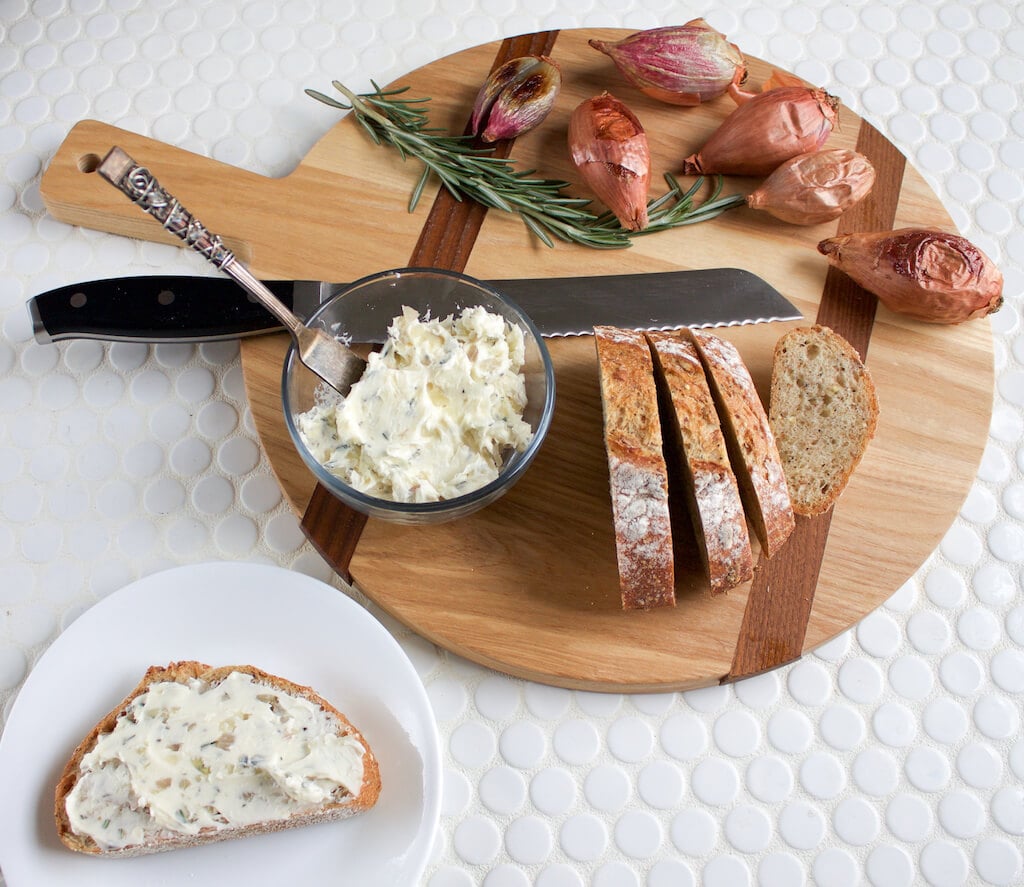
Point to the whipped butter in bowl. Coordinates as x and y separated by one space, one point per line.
448 413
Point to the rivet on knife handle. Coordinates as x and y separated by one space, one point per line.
326 356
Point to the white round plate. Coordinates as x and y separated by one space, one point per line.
285 623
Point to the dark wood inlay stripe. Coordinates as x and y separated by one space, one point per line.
446 241
779 606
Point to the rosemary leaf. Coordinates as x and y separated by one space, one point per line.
414 198
469 171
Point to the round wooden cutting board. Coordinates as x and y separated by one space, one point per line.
529 585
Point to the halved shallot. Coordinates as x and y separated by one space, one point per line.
516 97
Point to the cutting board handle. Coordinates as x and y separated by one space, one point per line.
73 193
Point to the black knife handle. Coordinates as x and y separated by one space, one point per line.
154 309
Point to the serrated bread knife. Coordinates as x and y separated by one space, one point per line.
203 309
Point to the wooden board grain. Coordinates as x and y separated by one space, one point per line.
529 586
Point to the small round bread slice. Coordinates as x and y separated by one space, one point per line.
823 410
340 804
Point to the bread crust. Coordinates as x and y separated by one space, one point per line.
183 672
750 441
638 475
803 430
712 494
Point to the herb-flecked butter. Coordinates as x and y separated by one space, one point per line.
189 757
435 412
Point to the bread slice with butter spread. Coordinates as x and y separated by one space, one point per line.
196 754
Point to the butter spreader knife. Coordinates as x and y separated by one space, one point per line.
202 309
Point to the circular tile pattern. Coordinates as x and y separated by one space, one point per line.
737 733
683 736
576 741
660 785
638 834
908 818
584 837
979 765
630 739
891 754
769 779
607 788
694 832
801 825
715 782
502 790
837 867
529 840
553 791
523 745
747 829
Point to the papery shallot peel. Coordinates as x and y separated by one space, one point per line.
815 187
766 130
515 98
608 146
680 64
921 272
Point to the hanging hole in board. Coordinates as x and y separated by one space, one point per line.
89 162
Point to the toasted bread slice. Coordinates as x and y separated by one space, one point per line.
750 441
196 754
637 472
824 411
713 496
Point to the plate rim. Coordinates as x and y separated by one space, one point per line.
417 716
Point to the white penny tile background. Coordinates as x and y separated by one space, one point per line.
891 756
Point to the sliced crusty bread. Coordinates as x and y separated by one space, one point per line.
638 476
751 443
261 772
712 494
824 411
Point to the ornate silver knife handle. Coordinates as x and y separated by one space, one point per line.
145 191
334 362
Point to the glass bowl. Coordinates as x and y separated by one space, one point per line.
361 313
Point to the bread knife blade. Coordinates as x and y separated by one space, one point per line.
203 309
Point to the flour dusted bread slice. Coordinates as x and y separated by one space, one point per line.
750 440
712 494
636 467
824 412
197 754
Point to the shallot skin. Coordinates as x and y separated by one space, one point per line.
924 273
608 146
766 130
815 187
680 64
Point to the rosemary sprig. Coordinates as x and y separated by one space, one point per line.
468 171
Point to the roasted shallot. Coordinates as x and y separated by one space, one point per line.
815 187
922 272
680 64
766 130
608 146
515 98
